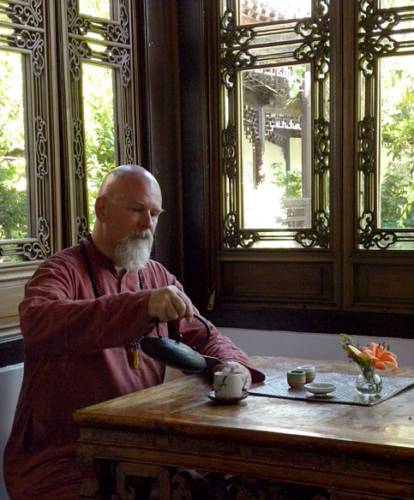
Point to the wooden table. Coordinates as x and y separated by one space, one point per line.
263 447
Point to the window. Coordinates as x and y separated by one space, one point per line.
275 67
316 176
68 114
385 125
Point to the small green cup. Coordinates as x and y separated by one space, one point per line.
296 378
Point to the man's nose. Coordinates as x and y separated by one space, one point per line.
145 220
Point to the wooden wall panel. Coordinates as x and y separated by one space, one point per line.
10 297
12 283
384 285
282 282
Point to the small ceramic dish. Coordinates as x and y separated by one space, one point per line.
320 388
227 401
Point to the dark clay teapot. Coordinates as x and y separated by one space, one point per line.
175 353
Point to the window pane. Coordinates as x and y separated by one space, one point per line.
397 145
386 4
264 11
99 128
13 209
276 152
95 8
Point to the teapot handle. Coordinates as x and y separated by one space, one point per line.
173 331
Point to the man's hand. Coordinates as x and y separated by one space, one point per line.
169 303
234 366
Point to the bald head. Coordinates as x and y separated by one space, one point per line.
129 203
113 183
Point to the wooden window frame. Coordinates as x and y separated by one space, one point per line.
345 289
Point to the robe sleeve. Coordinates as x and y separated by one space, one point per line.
194 334
59 315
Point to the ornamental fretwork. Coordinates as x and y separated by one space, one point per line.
107 43
229 152
129 144
28 249
231 62
366 138
112 31
235 237
316 44
32 41
249 60
82 226
23 31
78 50
78 148
41 148
370 237
29 14
322 145
116 33
371 47
380 37
318 236
231 36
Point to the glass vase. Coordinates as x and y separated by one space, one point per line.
368 382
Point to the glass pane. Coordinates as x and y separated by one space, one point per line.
264 11
396 163
98 104
276 146
13 208
387 4
95 8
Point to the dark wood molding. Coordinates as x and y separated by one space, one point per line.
160 106
11 352
194 146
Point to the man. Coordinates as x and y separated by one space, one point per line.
83 311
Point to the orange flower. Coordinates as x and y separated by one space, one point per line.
380 356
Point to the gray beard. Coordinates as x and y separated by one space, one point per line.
134 251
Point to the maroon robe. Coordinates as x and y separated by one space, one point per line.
77 354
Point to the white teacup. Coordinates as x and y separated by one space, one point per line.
227 385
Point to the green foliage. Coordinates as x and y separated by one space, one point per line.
398 132
99 149
99 142
395 210
13 223
96 8
99 129
293 104
397 190
290 180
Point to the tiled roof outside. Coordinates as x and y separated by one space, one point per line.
262 11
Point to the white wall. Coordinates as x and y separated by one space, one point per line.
10 381
303 345
310 345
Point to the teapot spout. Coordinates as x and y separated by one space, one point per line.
211 361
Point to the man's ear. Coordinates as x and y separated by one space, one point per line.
100 208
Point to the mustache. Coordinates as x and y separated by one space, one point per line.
145 234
